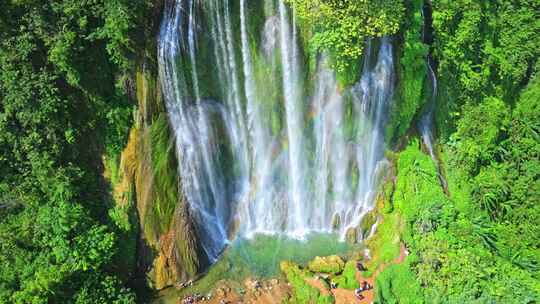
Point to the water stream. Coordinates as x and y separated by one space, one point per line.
427 120
270 152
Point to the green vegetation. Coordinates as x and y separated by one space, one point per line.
62 107
302 291
412 87
397 284
347 279
479 244
68 202
159 216
341 28
458 252
332 264
484 49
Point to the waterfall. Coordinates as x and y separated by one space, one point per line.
266 154
425 125
328 108
426 121
259 134
296 218
193 121
372 96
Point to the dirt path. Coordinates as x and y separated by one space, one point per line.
317 283
346 296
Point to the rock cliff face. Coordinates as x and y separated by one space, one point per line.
168 252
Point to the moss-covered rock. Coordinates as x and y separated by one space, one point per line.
302 291
414 87
119 171
332 264
348 279
168 244
351 235
367 222
336 221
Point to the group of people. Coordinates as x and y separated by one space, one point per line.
193 299
363 287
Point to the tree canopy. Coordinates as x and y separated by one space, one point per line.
62 105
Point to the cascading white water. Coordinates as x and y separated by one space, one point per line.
426 122
425 125
225 48
372 96
333 155
259 133
263 154
192 120
297 219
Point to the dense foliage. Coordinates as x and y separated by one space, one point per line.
341 27
62 106
489 62
479 244
484 49
413 82
458 253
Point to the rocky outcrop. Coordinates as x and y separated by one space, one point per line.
332 264
351 235
168 250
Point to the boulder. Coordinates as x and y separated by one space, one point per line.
367 223
351 235
336 221
332 264
221 293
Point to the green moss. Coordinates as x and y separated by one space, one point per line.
350 74
349 127
332 264
348 279
413 81
112 163
220 271
367 222
398 284
164 180
255 21
388 196
417 181
302 291
384 244
147 93
268 81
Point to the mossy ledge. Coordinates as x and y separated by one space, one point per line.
167 248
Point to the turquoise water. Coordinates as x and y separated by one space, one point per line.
260 257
